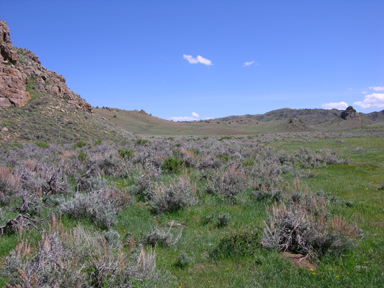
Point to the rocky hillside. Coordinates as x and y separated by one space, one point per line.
20 66
376 116
37 106
309 116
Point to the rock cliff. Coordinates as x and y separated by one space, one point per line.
19 66
350 113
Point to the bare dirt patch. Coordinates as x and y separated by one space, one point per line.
299 260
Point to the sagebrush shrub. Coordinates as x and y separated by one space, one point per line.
293 228
177 195
144 181
228 184
80 258
99 206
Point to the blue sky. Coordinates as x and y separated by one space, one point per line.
210 58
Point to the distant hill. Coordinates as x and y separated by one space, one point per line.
375 116
308 116
281 120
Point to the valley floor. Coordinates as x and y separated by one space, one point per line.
208 211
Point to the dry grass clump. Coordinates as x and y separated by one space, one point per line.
162 237
9 184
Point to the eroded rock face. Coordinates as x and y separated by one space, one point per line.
18 66
350 113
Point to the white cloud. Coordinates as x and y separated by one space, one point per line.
198 59
182 118
204 61
246 64
377 88
337 105
190 59
374 100
195 117
208 118
194 114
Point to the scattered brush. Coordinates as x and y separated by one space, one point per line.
161 237
80 258
99 206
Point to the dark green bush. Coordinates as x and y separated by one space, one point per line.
238 244
223 220
172 165
208 218
125 153
82 156
183 260
42 144
223 157
80 144
248 162
142 142
225 138
269 196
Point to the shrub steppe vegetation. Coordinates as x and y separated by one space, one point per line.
84 202
208 211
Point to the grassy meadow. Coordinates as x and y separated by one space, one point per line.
193 211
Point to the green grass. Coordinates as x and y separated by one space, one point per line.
357 182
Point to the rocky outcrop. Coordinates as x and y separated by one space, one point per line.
350 113
7 53
19 66
12 79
